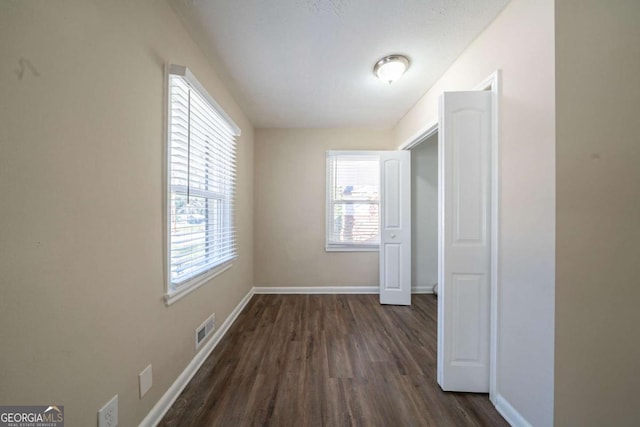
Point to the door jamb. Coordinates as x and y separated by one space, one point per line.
492 83
421 136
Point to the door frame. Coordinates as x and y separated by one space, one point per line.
492 83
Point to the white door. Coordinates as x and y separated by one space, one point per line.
395 227
464 253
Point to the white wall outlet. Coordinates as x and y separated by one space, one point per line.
108 414
205 329
145 380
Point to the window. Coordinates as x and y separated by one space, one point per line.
353 201
201 184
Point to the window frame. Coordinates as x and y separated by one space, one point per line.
329 203
175 292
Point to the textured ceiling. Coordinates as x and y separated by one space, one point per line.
308 63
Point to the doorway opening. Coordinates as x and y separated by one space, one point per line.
424 212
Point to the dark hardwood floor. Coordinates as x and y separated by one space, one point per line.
327 360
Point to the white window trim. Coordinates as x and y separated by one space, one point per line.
195 282
349 247
184 72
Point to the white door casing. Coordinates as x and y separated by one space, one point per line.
395 227
464 239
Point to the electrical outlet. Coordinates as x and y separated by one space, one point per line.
145 380
108 414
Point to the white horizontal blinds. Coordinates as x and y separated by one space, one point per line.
202 184
354 199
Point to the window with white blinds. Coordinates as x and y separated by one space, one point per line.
201 183
353 201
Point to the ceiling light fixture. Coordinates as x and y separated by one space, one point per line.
391 68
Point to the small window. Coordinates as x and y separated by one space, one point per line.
201 185
353 201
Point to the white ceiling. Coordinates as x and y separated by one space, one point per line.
308 63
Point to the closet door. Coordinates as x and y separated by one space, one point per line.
464 253
395 227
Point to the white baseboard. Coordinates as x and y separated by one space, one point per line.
309 290
316 290
510 413
422 289
164 404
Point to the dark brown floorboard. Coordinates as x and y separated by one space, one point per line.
327 360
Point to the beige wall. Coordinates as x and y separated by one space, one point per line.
81 228
598 173
520 42
290 209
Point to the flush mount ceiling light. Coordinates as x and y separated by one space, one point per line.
391 68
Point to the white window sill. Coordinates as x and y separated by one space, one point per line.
186 289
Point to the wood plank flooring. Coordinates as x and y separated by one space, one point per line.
327 360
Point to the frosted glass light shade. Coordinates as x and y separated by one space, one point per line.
391 68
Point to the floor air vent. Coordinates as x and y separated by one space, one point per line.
203 331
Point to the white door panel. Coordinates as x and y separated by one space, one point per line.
464 149
395 227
